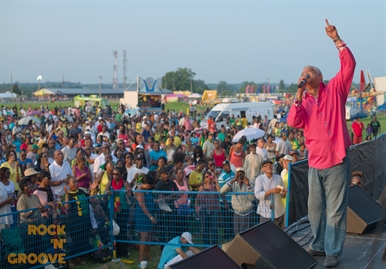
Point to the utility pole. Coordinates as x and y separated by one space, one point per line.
115 70
100 81
191 86
11 88
124 59
63 82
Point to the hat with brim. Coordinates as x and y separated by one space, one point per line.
23 181
34 146
279 157
265 162
188 237
163 170
30 172
139 157
240 169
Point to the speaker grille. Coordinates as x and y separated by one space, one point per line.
276 247
212 257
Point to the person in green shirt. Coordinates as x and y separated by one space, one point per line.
232 119
118 117
221 134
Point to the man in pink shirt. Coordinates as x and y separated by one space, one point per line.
320 111
188 124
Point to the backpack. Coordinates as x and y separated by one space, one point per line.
102 255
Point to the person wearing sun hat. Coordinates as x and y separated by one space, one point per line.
174 251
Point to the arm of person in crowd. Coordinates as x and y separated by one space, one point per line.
66 198
228 186
93 221
59 182
141 202
128 188
9 200
194 250
107 188
260 193
230 153
216 184
181 253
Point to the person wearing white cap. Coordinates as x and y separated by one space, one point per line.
174 251
284 174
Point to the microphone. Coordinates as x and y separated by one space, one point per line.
303 81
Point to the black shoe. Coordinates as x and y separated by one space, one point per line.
330 262
315 253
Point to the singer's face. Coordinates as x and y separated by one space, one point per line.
315 77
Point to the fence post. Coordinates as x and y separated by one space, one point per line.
111 209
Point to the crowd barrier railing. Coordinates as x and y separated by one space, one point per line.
64 234
56 236
210 217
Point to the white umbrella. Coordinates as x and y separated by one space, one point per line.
250 133
25 120
66 117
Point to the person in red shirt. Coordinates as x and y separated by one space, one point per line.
210 121
27 141
321 112
357 128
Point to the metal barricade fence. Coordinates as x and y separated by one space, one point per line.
58 235
211 217
67 232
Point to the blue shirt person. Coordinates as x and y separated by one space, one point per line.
174 251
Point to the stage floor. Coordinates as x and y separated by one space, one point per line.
360 251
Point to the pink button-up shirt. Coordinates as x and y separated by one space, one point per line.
323 118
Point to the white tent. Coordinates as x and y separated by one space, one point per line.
194 96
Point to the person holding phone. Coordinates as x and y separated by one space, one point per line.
241 204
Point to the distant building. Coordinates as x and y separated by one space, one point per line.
70 92
8 95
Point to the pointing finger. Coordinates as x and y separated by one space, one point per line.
327 24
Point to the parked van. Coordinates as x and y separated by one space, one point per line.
221 111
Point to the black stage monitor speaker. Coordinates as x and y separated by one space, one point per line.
268 246
212 257
382 199
363 212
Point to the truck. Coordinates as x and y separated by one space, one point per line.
92 100
221 111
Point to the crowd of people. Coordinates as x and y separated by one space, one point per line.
74 153
67 154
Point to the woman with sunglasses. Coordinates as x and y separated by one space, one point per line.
207 207
24 161
42 162
44 192
82 173
103 178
